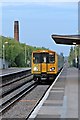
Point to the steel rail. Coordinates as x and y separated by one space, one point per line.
10 76
36 108
15 80
15 88
4 106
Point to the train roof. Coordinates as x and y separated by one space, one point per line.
48 51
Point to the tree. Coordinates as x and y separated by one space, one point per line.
17 54
20 61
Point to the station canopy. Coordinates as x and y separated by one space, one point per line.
66 39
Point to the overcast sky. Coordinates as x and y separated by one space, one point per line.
39 19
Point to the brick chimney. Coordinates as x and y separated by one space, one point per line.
16 30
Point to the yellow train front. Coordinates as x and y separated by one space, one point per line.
45 64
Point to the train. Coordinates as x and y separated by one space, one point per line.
46 64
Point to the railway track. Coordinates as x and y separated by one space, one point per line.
8 102
14 80
36 108
7 78
10 99
10 83
12 86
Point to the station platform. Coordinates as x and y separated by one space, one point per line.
62 100
4 72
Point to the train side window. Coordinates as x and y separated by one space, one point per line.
51 58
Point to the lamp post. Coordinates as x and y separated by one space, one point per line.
4 54
79 57
28 61
25 54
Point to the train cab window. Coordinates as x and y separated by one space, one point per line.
51 58
36 57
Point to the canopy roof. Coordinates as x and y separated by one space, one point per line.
66 39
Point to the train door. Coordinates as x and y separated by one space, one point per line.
44 61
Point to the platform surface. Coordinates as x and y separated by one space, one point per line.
11 70
62 101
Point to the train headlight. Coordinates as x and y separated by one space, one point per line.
35 69
52 69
